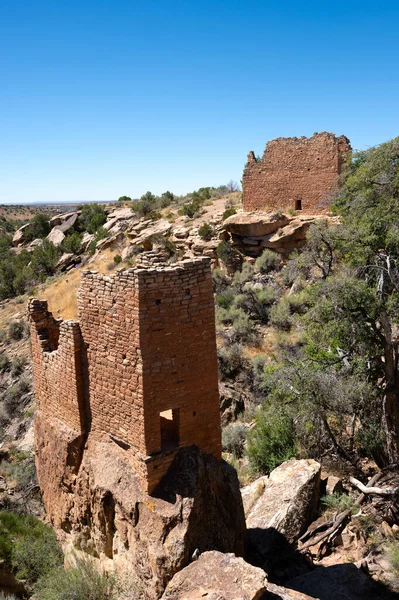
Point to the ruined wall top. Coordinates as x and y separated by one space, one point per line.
295 173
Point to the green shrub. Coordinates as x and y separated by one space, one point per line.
73 243
101 234
206 232
92 217
28 546
16 330
146 205
256 302
225 298
393 555
233 438
268 261
231 360
337 502
12 396
220 280
280 315
81 582
17 365
22 472
124 199
166 199
39 227
4 362
244 330
44 259
244 275
226 252
228 213
117 259
271 442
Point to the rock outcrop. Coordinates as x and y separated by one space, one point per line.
252 232
217 576
96 504
279 507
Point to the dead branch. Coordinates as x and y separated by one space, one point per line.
367 489
336 527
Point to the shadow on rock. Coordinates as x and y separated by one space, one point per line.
286 566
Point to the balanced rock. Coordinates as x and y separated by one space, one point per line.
59 220
256 223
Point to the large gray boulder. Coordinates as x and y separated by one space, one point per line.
56 237
19 235
279 507
148 234
59 220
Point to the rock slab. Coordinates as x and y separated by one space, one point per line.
279 507
217 576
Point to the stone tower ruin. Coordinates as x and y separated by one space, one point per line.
295 173
139 368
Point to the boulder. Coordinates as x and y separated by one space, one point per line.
34 244
217 576
232 402
147 235
95 502
117 217
279 507
56 237
109 241
58 220
201 247
69 223
255 223
19 235
294 231
181 233
66 260
86 240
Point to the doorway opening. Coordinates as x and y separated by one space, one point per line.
170 425
298 204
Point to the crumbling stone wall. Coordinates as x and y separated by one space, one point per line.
295 173
140 367
56 353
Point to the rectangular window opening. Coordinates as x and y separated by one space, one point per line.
170 425
298 204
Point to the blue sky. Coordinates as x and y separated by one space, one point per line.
110 97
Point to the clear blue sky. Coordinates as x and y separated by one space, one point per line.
110 97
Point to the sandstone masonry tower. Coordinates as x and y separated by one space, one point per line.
295 173
139 369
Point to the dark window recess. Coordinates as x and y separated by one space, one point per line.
170 425
157 302
298 204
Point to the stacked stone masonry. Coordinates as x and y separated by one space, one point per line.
140 367
295 173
